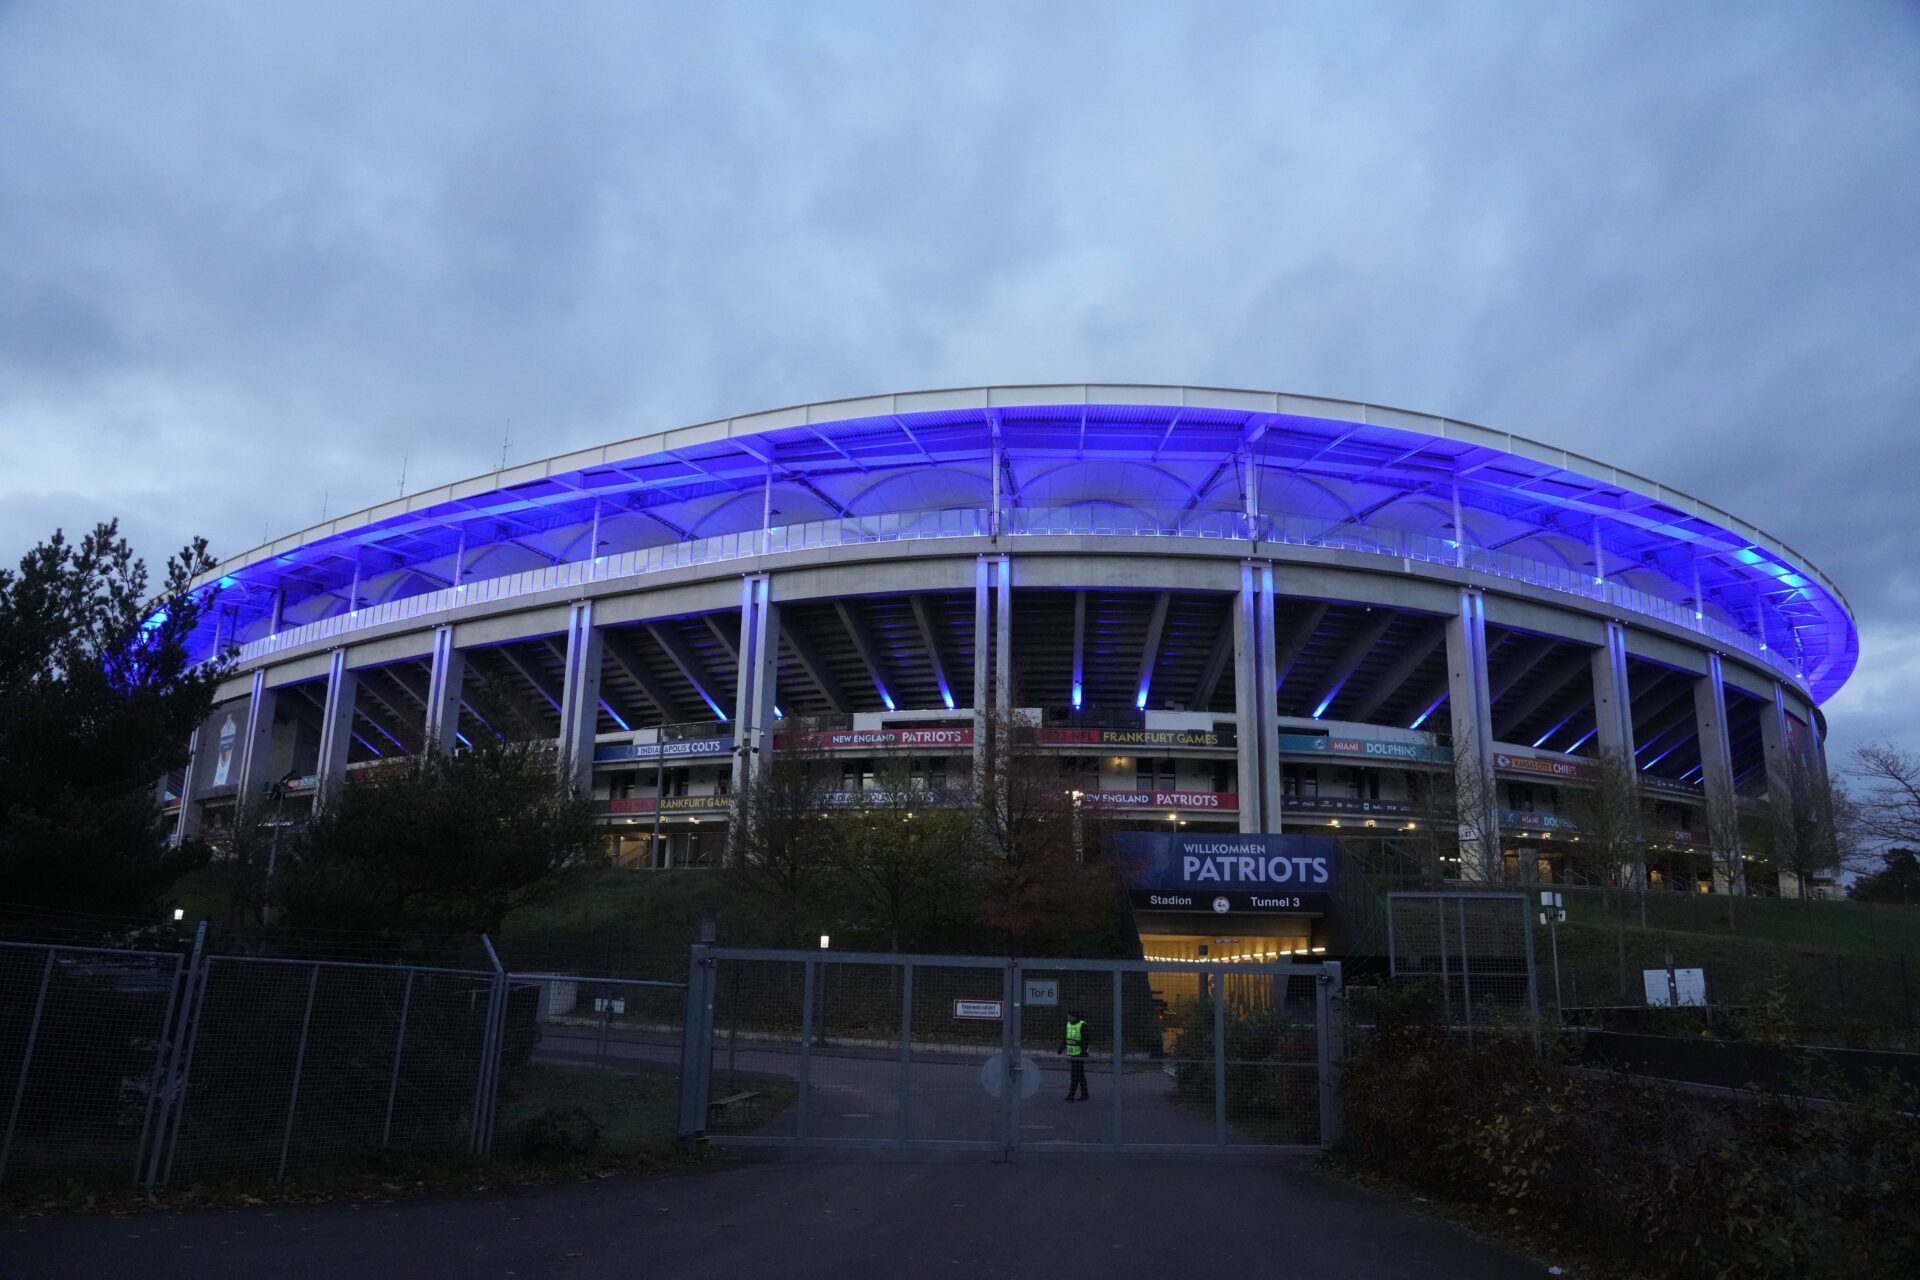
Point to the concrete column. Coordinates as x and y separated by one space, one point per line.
1612 698
1003 640
277 618
186 823
1775 739
256 742
982 647
580 696
1255 693
336 729
444 685
1470 706
759 669
1716 756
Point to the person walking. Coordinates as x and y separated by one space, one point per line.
1075 1047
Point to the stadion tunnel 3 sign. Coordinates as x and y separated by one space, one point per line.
1227 873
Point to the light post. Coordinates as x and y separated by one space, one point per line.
820 1014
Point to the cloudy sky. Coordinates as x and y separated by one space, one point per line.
253 255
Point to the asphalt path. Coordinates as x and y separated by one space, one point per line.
802 1219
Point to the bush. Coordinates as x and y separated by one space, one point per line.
1273 1083
1697 1187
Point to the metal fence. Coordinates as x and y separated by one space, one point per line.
966 1052
1475 949
149 1069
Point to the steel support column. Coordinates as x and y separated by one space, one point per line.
1470 706
1258 730
445 682
187 821
256 741
1612 696
1716 762
336 729
759 669
580 696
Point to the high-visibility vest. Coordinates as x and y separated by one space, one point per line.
1076 1038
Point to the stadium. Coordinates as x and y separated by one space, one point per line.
1224 611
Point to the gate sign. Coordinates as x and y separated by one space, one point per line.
1043 991
1227 873
980 1010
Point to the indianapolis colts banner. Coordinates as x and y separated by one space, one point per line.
1227 873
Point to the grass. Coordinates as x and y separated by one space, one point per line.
1851 928
547 1109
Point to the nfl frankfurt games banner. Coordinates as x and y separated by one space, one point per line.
1063 736
1227 873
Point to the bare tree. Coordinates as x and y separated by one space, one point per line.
1887 804
1801 827
904 857
1609 846
1476 812
1726 846
780 853
1435 836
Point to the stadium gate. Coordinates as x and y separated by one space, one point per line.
833 1049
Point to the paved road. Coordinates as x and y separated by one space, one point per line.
812 1219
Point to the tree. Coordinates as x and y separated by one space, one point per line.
780 850
1888 802
98 698
1432 795
1476 814
440 844
1610 818
1803 825
1726 845
1898 879
904 859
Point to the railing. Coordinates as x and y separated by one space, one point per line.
1103 521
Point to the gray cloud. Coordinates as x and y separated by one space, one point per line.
251 255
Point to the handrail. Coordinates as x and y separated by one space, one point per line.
1105 521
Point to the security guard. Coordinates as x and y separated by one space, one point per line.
1075 1047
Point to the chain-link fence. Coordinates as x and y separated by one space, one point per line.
150 1069
972 1053
1474 949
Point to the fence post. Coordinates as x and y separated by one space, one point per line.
491 1048
1330 997
299 1065
806 1048
26 1061
904 1127
1220 1062
156 1079
696 1045
1466 965
1446 979
1533 979
399 1047
193 1012
1119 1057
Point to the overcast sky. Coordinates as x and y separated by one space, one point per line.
252 255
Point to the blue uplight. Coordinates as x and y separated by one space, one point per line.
606 707
1582 738
1076 695
1422 717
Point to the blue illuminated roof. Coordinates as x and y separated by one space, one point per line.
1164 453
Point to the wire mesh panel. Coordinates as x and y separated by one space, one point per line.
761 1034
293 1066
588 1064
1271 1037
81 1035
853 1081
1072 1103
955 1079
1475 950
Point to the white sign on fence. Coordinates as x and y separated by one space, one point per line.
1044 992
1685 987
984 1010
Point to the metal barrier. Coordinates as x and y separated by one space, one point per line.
968 1053
150 1069
1475 948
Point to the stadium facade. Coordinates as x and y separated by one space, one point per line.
1228 611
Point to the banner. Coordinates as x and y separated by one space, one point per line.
1162 799
1066 736
1227 873
674 749
1364 748
1344 805
1544 766
851 739
645 804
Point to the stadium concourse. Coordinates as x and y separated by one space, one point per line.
1223 611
